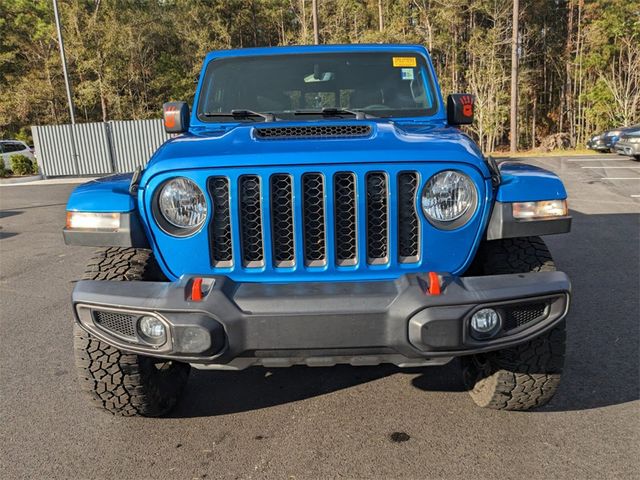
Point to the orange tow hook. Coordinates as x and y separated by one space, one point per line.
434 284
196 290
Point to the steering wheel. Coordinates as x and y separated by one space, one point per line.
376 106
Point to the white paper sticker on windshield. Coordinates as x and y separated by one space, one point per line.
407 73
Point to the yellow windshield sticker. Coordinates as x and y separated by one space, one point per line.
404 62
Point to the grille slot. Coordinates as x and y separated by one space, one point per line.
312 131
408 221
314 219
519 315
345 218
282 231
377 218
220 227
121 324
251 221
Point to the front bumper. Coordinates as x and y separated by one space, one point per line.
629 149
322 324
598 146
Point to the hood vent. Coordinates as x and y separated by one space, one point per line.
312 131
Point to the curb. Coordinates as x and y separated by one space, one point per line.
23 179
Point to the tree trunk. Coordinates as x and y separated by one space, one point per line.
513 131
568 102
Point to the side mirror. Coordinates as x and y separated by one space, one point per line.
460 108
176 117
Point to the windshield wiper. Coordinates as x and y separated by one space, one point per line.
335 112
268 117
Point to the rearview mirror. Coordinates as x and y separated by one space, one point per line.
176 117
460 108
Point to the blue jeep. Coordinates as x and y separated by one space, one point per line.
319 206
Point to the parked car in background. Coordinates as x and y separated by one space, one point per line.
612 137
14 147
629 143
597 143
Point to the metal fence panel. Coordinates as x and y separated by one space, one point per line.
100 148
92 148
135 141
53 149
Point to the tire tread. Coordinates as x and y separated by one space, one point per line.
122 383
525 376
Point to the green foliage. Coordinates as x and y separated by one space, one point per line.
128 57
23 165
4 172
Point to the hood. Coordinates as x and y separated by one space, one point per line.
379 141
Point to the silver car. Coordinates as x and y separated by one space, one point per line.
629 143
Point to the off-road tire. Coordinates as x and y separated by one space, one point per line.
525 376
124 383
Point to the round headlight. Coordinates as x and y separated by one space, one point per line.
449 199
182 204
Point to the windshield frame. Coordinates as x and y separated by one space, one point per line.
424 63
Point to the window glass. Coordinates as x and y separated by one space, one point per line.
13 147
381 84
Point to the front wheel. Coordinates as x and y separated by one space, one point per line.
119 382
525 376
126 384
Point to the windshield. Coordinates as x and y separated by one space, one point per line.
293 86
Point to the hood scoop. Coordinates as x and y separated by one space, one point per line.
312 131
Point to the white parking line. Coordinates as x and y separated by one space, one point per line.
632 168
620 178
634 196
598 160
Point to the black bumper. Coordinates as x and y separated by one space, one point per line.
323 323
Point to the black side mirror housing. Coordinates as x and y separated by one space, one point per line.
460 107
176 117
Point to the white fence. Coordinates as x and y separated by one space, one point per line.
96 148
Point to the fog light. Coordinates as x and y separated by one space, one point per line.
152 330
485 323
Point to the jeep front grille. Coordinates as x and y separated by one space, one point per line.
343 219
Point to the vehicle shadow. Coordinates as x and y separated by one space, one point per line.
601 256
9 213
4 234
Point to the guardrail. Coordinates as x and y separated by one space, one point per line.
96 148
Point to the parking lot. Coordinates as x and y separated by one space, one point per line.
342 422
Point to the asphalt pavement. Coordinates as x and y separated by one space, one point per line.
343 422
